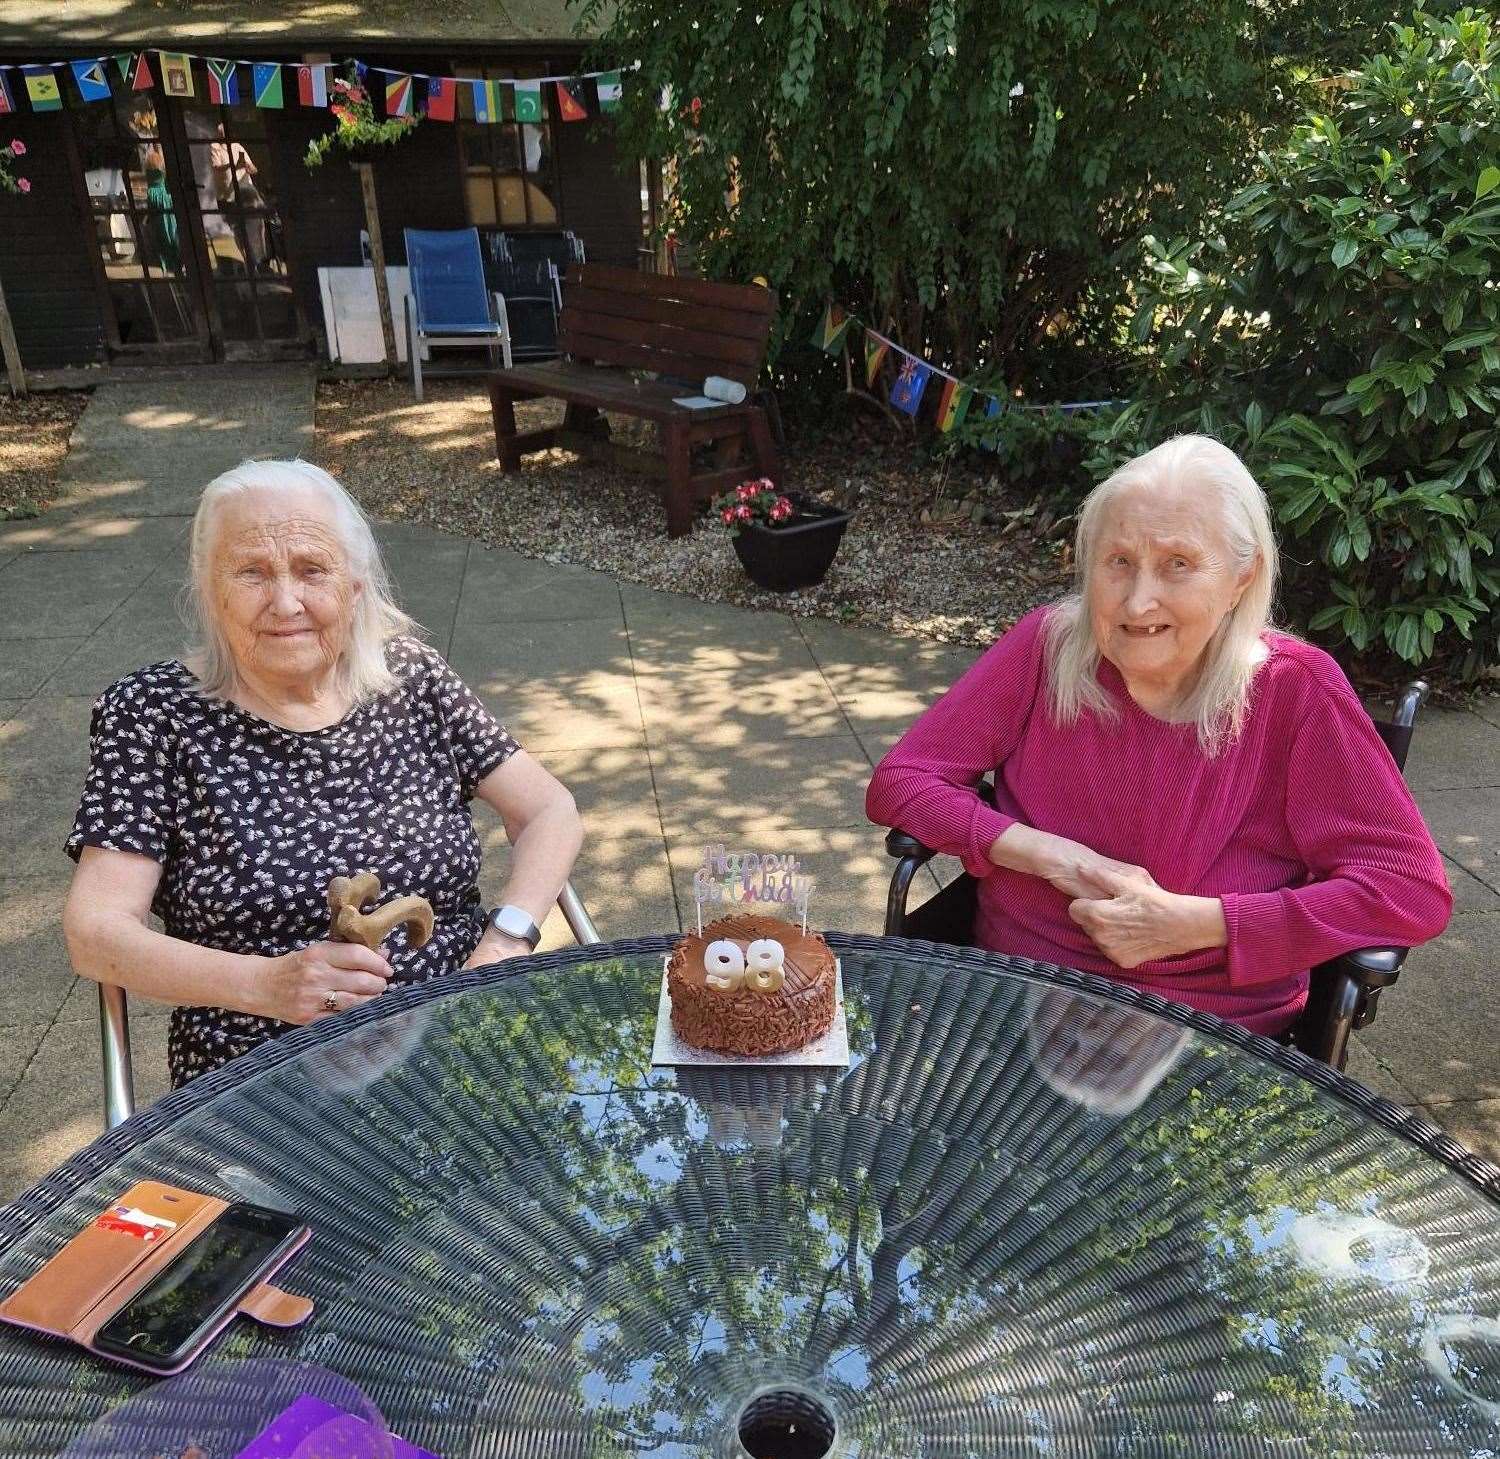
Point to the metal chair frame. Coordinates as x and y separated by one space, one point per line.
114 1018
1343 993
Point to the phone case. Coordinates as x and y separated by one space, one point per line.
100 1270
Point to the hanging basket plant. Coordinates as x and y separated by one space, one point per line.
9 182
356 131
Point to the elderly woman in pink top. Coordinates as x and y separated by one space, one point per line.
1187 800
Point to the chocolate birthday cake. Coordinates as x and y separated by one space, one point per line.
751 985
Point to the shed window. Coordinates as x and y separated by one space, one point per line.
509 168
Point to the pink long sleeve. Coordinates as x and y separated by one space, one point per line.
926 783
1374 876
1302 826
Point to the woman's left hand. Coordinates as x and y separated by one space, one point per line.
495 947
1140 922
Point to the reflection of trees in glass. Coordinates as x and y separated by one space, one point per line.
1232 1155
525 1228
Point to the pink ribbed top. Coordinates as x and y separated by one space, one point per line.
1303 827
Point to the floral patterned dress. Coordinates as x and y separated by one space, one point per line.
250 821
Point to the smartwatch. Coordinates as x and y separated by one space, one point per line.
516 922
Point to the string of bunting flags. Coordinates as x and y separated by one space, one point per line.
98 78
955 399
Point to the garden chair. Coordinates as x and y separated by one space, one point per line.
114 1018
1343 992
449 304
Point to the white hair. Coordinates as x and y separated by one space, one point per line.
1221 693
362 672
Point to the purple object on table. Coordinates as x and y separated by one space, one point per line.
348 1437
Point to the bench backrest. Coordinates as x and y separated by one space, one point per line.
683 327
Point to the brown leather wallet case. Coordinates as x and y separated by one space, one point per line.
100 1270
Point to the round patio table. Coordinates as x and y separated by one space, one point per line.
1038 1214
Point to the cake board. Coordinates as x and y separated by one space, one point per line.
831 1051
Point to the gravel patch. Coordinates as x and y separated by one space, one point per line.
34 435
956 581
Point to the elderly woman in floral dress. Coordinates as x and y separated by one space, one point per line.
1186 799
310 736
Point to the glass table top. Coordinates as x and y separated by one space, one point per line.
1026 1220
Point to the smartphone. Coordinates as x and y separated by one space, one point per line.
196 1293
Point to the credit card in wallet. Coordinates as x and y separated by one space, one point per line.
135 1222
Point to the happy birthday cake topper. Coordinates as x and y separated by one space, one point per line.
740 878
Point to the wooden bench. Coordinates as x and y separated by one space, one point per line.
618 325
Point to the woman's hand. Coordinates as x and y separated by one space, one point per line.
1138 922
495 947
1073 868
298 984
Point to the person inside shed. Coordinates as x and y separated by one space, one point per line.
1187 800
311 734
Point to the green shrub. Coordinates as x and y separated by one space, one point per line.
1344 335
972 177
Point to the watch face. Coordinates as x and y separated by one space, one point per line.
513 922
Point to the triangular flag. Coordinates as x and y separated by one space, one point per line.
442 92
124 62
143 79
398 96
223 82
176 73
875 353
570 100
831 330
608 86
266 79
906 393
528 95
312 85
93 84
486 101
953 405
42 88
7 99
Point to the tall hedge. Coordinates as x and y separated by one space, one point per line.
975 174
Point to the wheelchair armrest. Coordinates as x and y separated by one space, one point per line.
899 845
1369 967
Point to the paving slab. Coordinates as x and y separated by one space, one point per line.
57 1106
758 799
46 736
504 587
1474 1123
1453 749
1466 826
1438 1031
66 594
18 1045
1469 893
72 529
738 711
860 660
35 973
26 664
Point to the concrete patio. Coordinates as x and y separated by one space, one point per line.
674 722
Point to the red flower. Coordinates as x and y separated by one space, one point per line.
782 510
727 514
22 185
742 513
356 93
746 491
17 147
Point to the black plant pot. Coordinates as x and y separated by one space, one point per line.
797 555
